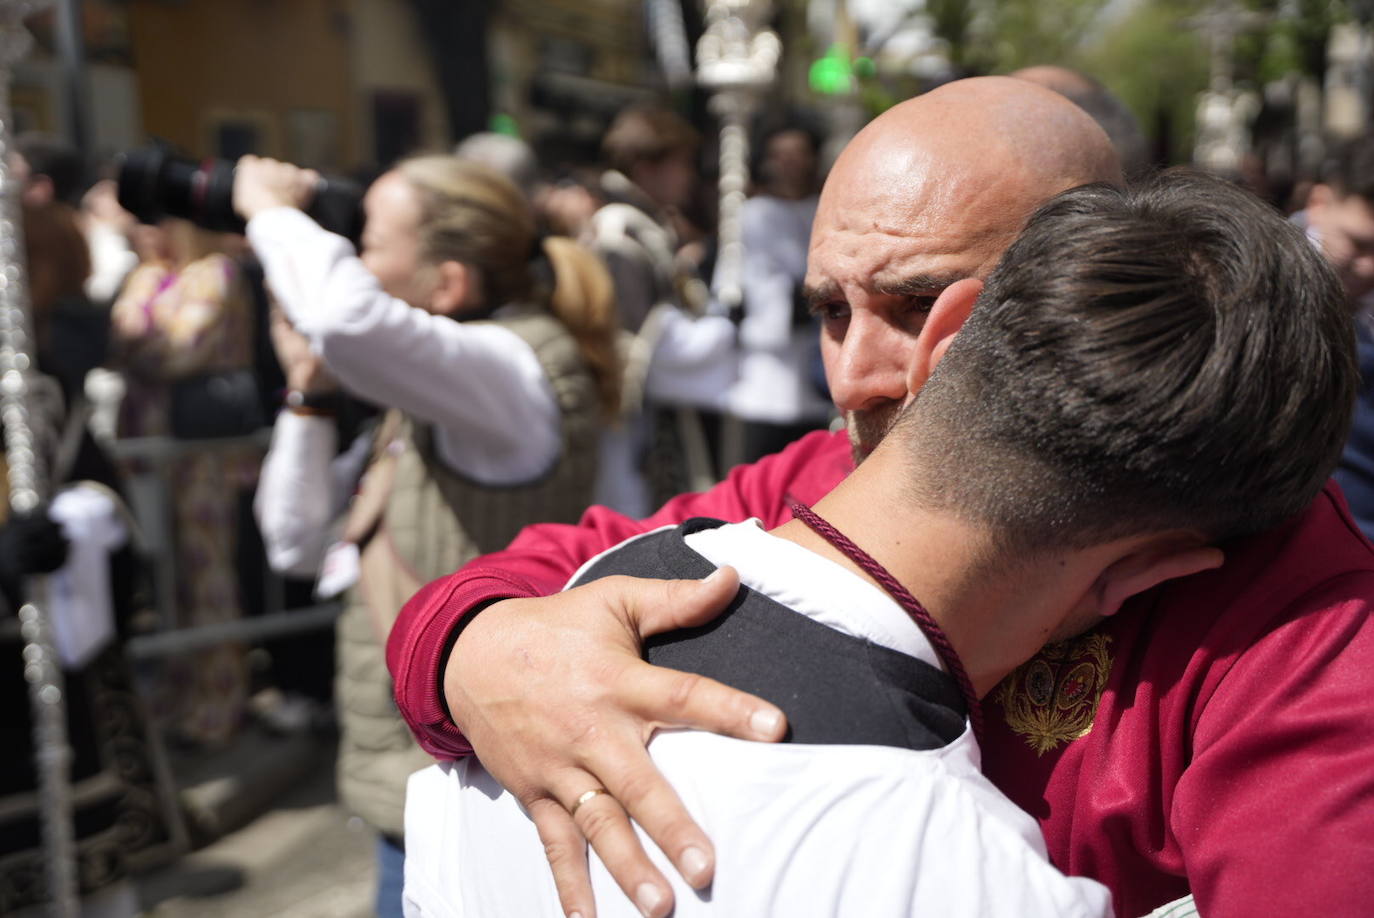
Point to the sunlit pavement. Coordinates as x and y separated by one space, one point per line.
302 858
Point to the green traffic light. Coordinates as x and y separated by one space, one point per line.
833 74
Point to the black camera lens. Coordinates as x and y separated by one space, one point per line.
154 183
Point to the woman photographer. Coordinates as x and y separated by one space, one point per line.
491 351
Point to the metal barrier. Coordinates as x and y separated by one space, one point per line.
244 630
151 503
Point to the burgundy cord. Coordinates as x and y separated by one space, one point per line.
919 614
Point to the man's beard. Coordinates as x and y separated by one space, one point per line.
867 428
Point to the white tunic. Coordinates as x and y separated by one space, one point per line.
799 830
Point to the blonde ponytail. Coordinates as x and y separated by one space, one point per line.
583 299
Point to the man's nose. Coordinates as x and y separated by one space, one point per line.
870 365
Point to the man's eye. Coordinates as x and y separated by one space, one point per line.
831 312
916 310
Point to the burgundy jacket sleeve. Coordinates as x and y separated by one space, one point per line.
1275 812
543 558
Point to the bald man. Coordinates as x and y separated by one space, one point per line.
1213 736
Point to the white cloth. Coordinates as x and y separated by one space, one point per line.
303 489
799 830
760 372
112 258
620 484
79 606
773 383
494 411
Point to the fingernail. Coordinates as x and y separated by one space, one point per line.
648 897
765 721
575 915
713 576
695 865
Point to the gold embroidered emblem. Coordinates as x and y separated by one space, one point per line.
1051 699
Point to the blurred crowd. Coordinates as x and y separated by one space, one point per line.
510 341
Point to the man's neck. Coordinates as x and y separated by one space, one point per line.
995 618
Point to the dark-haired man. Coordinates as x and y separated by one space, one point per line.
1088 475
1214 735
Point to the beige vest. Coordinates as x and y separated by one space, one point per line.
418 520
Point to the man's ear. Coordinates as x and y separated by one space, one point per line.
455 289
947 316
1147 567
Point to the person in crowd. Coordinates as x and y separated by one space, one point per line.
75 335
562 208
652 153
47 169
107 227
51 176
1189 742
1059 515
772 394
81 539
1110 113
1339 219
508 155
182 333
492 351
51 170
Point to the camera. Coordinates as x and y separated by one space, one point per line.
154 183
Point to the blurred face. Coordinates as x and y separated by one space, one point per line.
790 164
671 180
886 242
1345 231
391 240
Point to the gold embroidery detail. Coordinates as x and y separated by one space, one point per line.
1052 698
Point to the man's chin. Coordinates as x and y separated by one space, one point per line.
866 429
858 450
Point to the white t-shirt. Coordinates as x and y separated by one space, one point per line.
809 830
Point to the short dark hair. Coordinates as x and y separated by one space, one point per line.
1349 167
60 161
1170 356
647 133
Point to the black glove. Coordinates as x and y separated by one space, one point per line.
31 544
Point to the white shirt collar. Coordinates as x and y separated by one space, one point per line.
814 586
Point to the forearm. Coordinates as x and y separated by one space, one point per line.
478 384
295 502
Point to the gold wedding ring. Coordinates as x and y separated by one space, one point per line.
585 797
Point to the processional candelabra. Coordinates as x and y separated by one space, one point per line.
28 487
1222 133
737 61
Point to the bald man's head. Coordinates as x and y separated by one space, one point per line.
992 148
931 191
